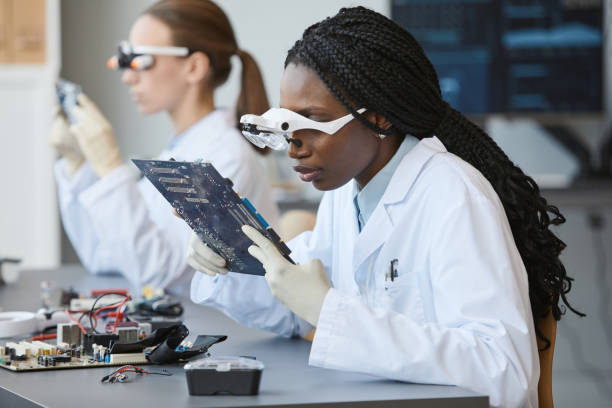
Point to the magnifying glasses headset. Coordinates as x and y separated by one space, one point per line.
141 57
274 129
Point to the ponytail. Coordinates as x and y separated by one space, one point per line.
252 98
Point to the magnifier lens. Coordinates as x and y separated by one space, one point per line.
254 138
141 62
271 140
274 141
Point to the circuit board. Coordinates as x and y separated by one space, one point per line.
41 356
212 209
67 93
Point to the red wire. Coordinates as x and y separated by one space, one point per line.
76 321
44 337
119 313
114 305
95 315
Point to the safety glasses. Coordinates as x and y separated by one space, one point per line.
141 57
275 128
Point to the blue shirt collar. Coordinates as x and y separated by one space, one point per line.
366 199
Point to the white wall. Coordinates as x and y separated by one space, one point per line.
29 224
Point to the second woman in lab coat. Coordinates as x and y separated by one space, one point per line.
431 256
118 223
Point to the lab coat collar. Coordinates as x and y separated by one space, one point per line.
379 226
410 167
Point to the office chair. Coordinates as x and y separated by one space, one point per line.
548 327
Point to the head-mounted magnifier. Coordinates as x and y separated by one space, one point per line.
140 57
275 128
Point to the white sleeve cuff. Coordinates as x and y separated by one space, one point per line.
203 287
70 186
331 325
96 193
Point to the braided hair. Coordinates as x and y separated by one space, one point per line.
367 60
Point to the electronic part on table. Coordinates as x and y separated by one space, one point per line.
104 330
210 206
224 375
78 343
88 350
120 375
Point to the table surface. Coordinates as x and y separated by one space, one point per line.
287 380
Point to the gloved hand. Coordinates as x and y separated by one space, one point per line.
95 136
302 288
201 258
64 142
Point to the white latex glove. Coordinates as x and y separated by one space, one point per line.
64 142
202 258
302 288
96 137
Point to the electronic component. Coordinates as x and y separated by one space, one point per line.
68 333
224 375
99 292
128 358
160 306
165 345
67 93
127 334
212 209
87 303
102 339
120 375
36 356
154 322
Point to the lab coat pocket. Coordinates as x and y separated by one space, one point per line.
396 285
403 297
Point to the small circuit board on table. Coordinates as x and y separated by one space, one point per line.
40 356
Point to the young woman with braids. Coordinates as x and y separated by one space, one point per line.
432 255
120 223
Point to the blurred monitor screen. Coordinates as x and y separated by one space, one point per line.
511 55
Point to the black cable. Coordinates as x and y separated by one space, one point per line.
81 317
93 307
162 372
113 377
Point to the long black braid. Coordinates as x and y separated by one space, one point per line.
367 60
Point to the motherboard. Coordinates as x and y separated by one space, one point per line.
210 206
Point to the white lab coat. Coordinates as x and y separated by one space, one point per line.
121 223
458 312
